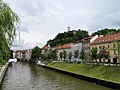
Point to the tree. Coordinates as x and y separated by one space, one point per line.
61 55
54 54
103 53
11 54
70 56
83 56
76 54
106 31
5 49
49 55
8 23
94 54
64 54
68 37
36 54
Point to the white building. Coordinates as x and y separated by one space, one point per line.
22 54
76 47
65 47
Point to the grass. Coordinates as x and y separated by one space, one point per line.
108 73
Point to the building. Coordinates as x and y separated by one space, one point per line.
86 45
65 47
112 44
23 54
77 47
28 54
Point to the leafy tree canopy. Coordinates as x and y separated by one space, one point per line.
68 37
36 53
8 23
106 31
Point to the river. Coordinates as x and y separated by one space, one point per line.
22 76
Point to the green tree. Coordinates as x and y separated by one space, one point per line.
103 54
64 54
83 56
36 54
61 55
68 37
106 31
54 54
94 54
70 56
5 49
11 54
49 55
8 23
76 54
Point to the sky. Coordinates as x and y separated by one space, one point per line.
41 20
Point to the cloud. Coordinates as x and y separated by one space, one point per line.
41 20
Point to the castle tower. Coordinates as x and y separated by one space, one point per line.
68 28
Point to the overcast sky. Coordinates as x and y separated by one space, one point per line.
41 20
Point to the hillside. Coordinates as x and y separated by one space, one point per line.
68 37
106 31
76 35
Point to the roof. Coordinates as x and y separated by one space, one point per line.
21 51
65 46
45 47
108 38
86 39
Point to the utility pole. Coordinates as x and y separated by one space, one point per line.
118 51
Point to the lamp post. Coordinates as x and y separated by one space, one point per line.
118 51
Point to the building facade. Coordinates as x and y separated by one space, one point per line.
112 45
66 48
77 47
86 42
22 54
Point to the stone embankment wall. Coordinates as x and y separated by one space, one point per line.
105 83
2 72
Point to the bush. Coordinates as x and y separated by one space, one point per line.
2 62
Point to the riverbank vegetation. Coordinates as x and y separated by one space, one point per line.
8 25
108 73
2 62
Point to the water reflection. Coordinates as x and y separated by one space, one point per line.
29 77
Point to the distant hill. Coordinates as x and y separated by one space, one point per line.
106 31
77 35
68 37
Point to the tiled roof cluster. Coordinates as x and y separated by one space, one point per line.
108 38
45 47
86 39
65 46
21 51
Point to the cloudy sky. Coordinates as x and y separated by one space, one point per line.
41 20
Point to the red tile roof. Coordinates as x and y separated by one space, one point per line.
65 46
88 38
109 38
21 51
45 47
